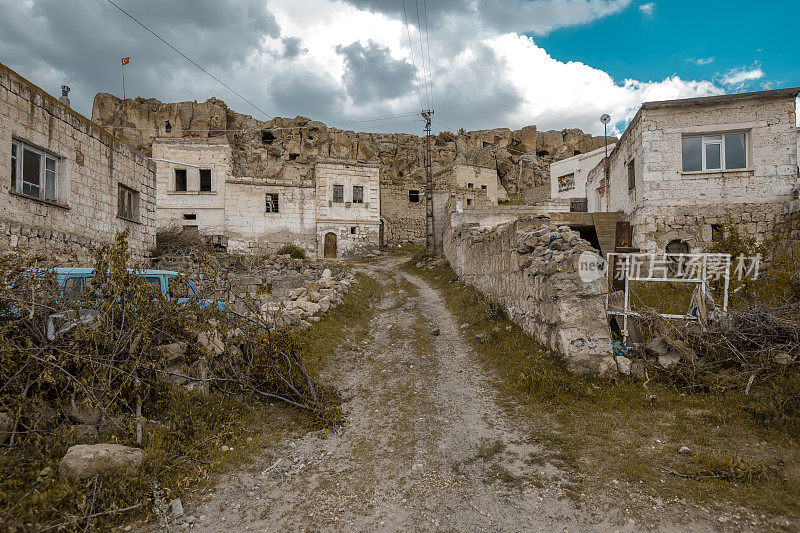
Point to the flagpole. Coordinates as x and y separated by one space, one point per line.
123 82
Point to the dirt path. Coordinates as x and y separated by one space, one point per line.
425 447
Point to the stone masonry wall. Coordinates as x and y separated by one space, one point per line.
403 220
531 267
91 165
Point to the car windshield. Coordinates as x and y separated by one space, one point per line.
154 282
76 287
180 287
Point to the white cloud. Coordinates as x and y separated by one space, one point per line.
556 94
648 8
701 61
740 76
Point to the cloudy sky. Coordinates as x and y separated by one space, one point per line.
478 63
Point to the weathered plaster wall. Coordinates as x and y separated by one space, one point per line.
531 268
248 225
91 164
579 166
208 207
356 225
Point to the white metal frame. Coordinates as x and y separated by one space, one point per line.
709 139
631 260
21 147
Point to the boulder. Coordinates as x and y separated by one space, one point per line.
624 365
324 304
87 460
173 351
326 273
309 307
669 360
211 344
658 347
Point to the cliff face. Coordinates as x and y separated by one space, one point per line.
265 149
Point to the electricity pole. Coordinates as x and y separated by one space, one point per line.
430 240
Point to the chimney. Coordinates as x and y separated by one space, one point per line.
64 95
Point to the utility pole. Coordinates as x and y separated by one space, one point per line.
430 241
605 119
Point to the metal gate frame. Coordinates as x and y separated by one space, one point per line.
632 263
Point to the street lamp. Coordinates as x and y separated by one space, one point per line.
605 119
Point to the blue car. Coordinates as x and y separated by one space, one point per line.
74 281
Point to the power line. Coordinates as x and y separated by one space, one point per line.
425 69
428 46
411 49
190 60
253 130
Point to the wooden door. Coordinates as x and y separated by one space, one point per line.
330 246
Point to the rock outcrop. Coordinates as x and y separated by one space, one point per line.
268 150
86 460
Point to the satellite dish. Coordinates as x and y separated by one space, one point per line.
605 119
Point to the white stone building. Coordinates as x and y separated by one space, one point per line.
684 168
569 177
68 186
335 203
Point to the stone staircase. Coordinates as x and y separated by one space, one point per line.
605 225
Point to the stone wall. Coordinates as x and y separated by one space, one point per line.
82 212
531 267
403 220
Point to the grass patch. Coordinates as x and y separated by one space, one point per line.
292 250
600 430
343 326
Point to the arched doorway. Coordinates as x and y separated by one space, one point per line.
329 251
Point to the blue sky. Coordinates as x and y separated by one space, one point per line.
694 39
493 63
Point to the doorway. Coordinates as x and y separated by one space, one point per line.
329 251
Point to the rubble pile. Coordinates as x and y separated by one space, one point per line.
307 302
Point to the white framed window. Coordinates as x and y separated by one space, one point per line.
726 151
34 173
127 203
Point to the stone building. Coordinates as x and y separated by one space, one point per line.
684 168
568 180
337 203
68 185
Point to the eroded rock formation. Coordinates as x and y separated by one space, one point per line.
264 149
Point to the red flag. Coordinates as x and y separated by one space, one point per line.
125 61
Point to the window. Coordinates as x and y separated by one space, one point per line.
338 194
566 183
167 127
180 180
127 202
470 185
358 194
714 152
272 203
190 216
352 230
484 187
413 196
469 201
267 137
205 179
33 172
631 175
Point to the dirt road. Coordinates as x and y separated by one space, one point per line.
425 447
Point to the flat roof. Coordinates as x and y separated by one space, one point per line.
705 100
